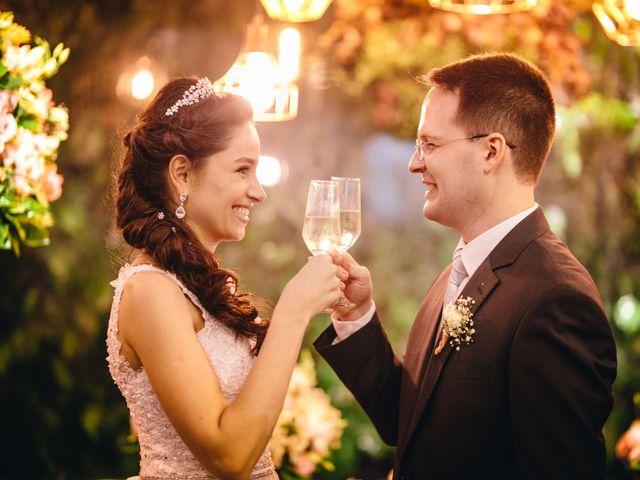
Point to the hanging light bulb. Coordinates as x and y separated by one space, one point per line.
257 76
620 20
289 52
295 10
484 7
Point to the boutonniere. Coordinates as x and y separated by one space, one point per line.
457 324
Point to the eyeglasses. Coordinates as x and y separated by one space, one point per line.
426 148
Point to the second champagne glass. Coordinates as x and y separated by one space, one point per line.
350 218
350 222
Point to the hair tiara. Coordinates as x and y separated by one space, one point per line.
196 92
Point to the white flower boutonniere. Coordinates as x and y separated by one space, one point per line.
457 328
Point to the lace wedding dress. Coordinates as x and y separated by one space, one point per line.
163 454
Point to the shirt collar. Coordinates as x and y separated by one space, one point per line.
477 250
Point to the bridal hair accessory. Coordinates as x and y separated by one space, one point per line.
160 215
457 328
196 92
180 211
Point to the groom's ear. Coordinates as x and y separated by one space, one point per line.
494 152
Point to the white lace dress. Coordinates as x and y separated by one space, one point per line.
163 454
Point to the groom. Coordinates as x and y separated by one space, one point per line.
514 380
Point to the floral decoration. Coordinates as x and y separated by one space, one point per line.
457 326
31 129
308 427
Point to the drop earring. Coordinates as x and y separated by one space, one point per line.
180 211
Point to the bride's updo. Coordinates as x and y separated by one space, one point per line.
144 210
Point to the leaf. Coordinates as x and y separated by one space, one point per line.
3 70
29 122
10 82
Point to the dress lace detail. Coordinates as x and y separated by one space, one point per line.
163 454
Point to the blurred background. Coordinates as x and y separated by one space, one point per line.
61 416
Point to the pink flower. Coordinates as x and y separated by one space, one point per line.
303 465
8 101
8 129
52 183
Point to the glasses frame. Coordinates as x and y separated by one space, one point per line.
421 144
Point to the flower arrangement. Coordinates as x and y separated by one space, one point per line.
457 326
308 427
31 129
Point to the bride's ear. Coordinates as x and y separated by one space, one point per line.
179 172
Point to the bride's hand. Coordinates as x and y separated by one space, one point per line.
316 286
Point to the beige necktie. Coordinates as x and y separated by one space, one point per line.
458 273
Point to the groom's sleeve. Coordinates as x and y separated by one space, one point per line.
561 369
366 364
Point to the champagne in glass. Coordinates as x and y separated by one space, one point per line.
350 223
321 228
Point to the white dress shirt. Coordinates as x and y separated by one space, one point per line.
473 254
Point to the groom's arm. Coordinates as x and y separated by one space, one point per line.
366 364
561 368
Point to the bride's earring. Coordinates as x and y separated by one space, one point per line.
180 211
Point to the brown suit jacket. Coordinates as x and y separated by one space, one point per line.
527 399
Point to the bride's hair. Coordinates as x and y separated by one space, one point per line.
144 210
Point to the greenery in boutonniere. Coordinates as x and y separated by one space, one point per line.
31 129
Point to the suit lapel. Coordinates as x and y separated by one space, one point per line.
479 287
418 351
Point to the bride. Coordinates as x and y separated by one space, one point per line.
203 376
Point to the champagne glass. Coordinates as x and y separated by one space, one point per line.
321 228
350 222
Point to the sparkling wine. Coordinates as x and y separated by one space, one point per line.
321 234
349 229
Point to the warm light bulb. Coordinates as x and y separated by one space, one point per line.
289 52
142 84
255 80
269 170
293 5
633 8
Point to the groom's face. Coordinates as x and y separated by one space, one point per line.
449 167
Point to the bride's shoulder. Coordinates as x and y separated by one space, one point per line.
150 287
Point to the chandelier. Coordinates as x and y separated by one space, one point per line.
257 76
295 10
620 20
484 7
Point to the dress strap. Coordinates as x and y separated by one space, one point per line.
128 270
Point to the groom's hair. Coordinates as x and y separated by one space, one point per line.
503 93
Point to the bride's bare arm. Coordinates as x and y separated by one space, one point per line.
157 322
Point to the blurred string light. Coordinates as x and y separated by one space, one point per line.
271 171
141 81
295 10
620 20
257 76
627 314
484 7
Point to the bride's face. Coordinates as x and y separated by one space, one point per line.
225 190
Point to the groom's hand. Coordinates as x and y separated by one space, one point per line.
358 289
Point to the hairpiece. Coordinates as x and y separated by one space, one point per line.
160 215
196 92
